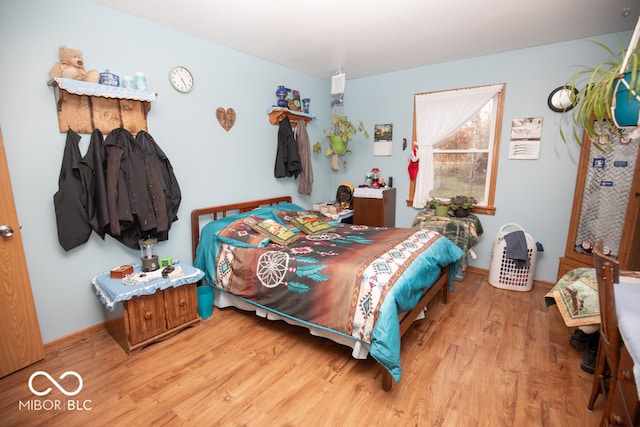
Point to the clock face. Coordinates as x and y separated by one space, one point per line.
561 99
181 79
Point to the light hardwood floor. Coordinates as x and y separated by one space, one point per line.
490 357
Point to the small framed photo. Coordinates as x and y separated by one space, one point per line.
293 100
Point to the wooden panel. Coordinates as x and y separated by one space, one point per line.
625 408
105 113
567 264
181 305
376 212
118 325
277 115
133 115
146 317
73 112
21 342
84 113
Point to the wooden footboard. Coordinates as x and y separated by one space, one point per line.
215 212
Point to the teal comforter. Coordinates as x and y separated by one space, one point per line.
353 280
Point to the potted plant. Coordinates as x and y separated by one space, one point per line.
441 207
339 133
608 91
461 204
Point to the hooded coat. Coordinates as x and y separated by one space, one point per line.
287 157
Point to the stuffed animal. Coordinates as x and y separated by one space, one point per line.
71 66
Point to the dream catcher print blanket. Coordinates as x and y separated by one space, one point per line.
354 279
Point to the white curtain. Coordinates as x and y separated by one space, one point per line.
438 115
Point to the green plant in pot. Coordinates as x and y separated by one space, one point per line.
601 95
461 204
339 134
441 207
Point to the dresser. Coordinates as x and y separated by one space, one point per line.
151 311
374 207
625 407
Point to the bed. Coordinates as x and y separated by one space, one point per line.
359 286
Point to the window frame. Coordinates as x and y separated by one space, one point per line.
489 208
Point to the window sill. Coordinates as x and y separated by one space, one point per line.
480 210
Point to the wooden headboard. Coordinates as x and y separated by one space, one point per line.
222 211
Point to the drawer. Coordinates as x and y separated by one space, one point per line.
181 305
146 317
627 388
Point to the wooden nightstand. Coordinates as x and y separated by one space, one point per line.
375 211
139 315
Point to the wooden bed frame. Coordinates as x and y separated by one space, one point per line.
406 319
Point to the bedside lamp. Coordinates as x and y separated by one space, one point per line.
149 258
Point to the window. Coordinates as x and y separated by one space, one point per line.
457 134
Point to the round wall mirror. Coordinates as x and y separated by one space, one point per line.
560 99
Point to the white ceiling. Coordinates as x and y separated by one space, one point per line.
369 37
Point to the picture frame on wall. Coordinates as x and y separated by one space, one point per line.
293 100
382 139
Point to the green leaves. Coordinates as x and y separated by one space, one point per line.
595 94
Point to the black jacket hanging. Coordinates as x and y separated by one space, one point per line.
71 199
142 192
169 200
93 167
287 157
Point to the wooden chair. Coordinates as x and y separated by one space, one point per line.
604 378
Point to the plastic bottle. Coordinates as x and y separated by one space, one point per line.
141 81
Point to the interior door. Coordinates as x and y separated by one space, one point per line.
20 339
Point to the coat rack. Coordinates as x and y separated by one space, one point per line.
84 107
276 114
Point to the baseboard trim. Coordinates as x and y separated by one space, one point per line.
73 337
77 335
541 283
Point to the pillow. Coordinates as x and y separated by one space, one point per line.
242 231
286 217
311 223
271 228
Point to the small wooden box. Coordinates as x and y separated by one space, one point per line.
121 271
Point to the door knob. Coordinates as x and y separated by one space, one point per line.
6 231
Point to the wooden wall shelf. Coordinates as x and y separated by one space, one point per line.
276 114
84 107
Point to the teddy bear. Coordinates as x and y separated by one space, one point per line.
71 66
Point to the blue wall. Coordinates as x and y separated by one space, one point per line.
216 167
536 194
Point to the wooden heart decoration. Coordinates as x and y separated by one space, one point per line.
226 118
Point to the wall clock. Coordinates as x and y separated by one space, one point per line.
560 99
181 79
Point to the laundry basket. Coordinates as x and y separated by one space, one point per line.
503 271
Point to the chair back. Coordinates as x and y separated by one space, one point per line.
607 273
